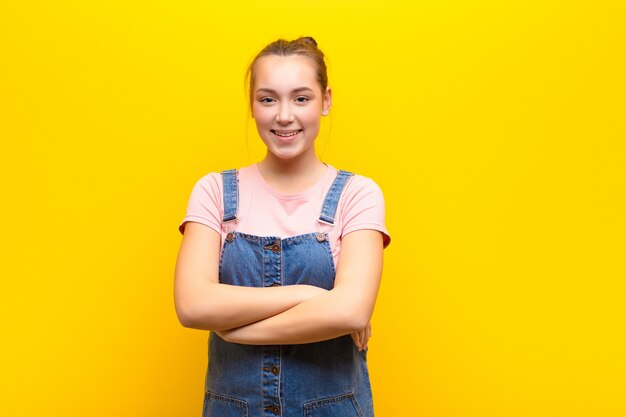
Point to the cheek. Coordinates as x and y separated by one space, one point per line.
311 117
310 114
261 115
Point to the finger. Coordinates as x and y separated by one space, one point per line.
357 339
361 338
368 334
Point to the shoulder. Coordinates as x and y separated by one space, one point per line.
211 178
361 193
205 202
359 187
209 184
363 206
358 180
212 182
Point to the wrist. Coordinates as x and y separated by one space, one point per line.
310 291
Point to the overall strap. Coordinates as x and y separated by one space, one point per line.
332 198
231 194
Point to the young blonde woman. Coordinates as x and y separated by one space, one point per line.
282 259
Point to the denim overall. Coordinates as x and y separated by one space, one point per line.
321 379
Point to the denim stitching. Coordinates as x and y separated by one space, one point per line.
312 405
239 403
230 180
221 259
331 259
333 198
328 400
331 202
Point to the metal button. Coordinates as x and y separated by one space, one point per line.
275 370
274 409
275 284
230 237
321 237
275 248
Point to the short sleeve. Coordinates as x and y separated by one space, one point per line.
205 203
363 207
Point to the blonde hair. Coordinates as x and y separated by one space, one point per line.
304 45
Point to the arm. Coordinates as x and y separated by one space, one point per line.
203 303
346 308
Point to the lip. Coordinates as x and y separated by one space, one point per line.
286 139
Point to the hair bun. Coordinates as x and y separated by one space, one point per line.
308 39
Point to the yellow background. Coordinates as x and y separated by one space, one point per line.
496 130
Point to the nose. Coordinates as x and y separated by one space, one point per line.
284 115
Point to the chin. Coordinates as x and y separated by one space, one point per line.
287 156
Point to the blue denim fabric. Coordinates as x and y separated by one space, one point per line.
231 195
321 379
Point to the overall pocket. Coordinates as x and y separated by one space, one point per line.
344 405
217 405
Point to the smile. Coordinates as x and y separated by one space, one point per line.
286 134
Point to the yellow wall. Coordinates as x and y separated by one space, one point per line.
496 130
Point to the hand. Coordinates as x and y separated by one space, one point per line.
362 336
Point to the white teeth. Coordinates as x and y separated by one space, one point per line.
285 135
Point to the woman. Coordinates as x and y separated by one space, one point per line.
260 264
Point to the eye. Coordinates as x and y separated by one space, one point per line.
302 99
266 99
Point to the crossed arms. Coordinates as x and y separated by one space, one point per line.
290 314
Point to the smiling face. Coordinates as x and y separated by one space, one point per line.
288 104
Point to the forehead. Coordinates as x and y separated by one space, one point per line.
284 72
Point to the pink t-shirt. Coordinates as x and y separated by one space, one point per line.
265 212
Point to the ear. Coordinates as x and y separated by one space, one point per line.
327 101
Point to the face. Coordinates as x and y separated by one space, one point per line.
288 104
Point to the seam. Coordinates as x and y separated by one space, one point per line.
328 400
232 400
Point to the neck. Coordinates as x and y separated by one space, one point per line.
295 167
291 175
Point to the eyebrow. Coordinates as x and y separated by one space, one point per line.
295 90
